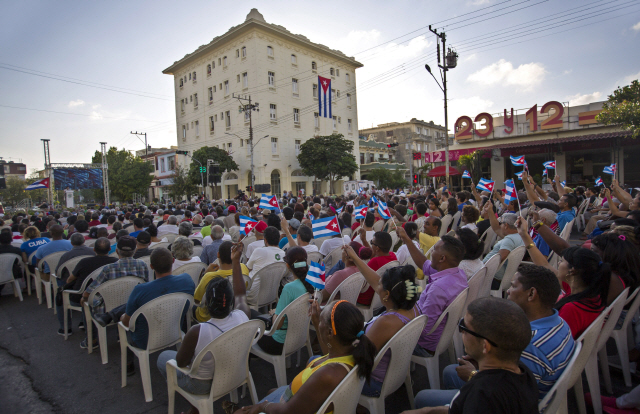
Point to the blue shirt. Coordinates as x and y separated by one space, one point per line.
113 248
564 217
285 240
146 292
549 351
32 245
53 246
135 233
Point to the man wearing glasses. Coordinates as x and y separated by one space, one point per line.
495 332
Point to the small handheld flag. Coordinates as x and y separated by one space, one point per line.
510 191
246 225
564 183
519 175
269 202
545 172
374 199
339 210
316 275
325 227
360 191
36 185
550 164
517 160
611 170
485 185
383 210
361 211
599 181
466 174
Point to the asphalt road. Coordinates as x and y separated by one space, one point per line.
43 373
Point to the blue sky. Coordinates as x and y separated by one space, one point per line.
521 52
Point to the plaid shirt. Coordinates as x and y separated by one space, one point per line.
124 267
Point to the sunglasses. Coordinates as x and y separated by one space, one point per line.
462 327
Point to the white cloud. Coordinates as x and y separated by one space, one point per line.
526 75
579 99
631 78
471 57
96 115
479 2
636 27
567 72
73 104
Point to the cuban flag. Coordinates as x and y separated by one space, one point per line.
466 174
599 182
564 183
339 210
550 164
246 225
324 97
518 160
315 275
510 192
519 175
44 183
361 212
611 170
361 191
269 202
545 172
485 185
325 227
374 199
383 210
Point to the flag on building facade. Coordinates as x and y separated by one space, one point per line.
315 275
466 174
485 185
268 202
550 164
324 97
324 227
36 185
517 160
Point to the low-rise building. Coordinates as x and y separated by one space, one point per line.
164 162
375 155
13 169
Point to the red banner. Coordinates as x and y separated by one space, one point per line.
438 156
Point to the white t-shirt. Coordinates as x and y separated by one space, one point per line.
177 263
253 246
333 243
310 248
262 257
208 240
369 236
163 240
471 226
470 267
167 229
403 252
209 331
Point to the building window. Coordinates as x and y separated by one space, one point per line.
229 146
182 105
335 123
298 142
242 142
348 99
314 66
244 51
224 61
211 124
172 162
216 117
226 87
238 78
269 51
181 82
227 119
296 116
338 94
315 90
197 128
419 147
214 88
194 76
316 120
349 125
333 95
191 98
337 72
211 94
271 78
248 153
371 157
209 69
245 80
272 112
274 145
361 158
294 86
219 61
237 53
189 75
294 60
213 64
275 182
162 165
348 77
332 71
406 147
195 100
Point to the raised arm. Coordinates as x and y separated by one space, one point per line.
555 242
495 225
416 254
623 196
284 225
536 256
531 194
239 288
475 193
369 274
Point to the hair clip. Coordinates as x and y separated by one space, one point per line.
299 264
622 237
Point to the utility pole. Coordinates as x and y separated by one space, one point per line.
249 108
105 175
450 62
146 147
47 168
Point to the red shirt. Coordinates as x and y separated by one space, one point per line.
375 264
580 314
94 223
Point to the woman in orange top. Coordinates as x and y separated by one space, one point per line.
340 329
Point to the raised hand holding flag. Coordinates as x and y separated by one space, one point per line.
246 225
316 275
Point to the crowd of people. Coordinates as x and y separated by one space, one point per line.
417 263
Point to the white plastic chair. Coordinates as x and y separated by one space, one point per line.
555 401
163 316
349 289
195 270
513 261
367 311
453 313
620 336
591 368
36 279
66 300
378 225
245 243
315 257
90 242
446 221
230 352
297 313
566 232
345 396
114 292
52 260
6 272
490 238
161 244
69 265
492 266
401 346
456 221
171 237
147 260
333 257
476 283
268 282
394 238
197 250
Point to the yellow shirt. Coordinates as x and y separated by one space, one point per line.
201 312
427 242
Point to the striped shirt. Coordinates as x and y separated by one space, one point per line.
549 351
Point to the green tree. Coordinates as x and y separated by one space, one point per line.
385 178
127 174
15 191
182 184
473 163
623 108
203 154
328 158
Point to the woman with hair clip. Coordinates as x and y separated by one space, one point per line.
296 260
398 293
340 332
473 248
622 256
585 282
227 306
